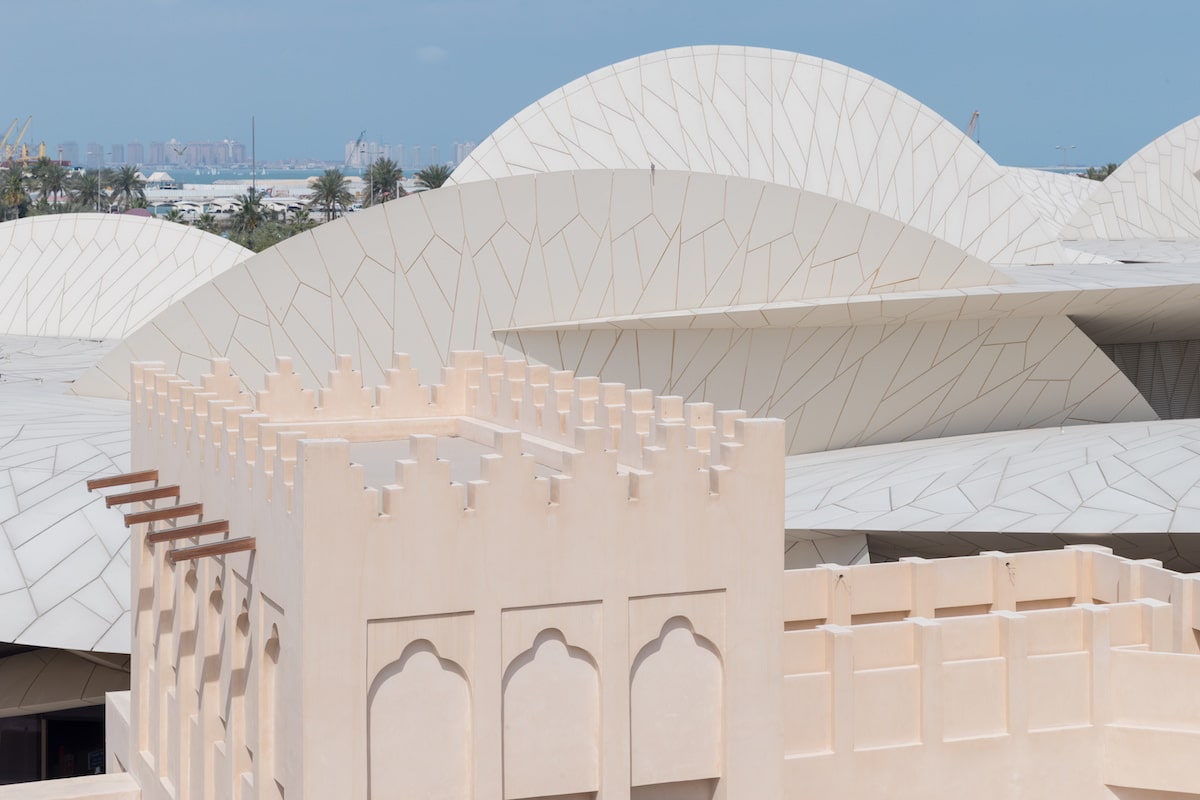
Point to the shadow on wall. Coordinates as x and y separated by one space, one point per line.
1125 793
686 790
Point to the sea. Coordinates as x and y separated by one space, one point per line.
205 175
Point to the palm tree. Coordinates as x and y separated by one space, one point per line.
51 179
128 187
1100 173
383 180
89 191
14 196
249 213
330 191
207 223
174 215
300 222
434 175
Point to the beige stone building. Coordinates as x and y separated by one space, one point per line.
529 586
523 584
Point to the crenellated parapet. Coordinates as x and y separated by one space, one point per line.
580 574
582 427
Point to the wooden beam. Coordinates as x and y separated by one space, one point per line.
188 531
157 493
170 512
123 479
215 549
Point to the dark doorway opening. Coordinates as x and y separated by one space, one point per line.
57 744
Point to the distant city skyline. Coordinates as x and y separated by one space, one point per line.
226 152
1042 73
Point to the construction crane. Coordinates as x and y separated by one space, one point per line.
28 159
8 133
12 148
973 128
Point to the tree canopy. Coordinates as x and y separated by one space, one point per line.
14 194
434 175
128 187
1100 173
51 179
88 191
383 181
331 192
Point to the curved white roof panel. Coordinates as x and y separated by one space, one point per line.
1153 195
441 270
780 117
1137 481
64 559
1056 197
100 276
862 330
67 281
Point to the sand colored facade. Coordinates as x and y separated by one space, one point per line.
1065 674
559 588
584 620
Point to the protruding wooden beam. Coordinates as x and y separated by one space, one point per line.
123 479
170 512
188 531
157 493
215 549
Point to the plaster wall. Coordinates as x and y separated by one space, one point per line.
516 637
1057 674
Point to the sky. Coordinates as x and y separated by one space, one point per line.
1106 76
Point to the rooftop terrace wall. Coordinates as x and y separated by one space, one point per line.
459 637
1062 674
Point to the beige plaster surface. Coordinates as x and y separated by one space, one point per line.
1056 674
90 787
520 635
620 626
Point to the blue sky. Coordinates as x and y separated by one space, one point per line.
1103 75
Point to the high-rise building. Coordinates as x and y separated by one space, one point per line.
95 155
461 151
434 154
398 153
200 154
135 153
158 153
416 157
176 150
118 154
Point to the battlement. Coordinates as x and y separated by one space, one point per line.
594 438
989 582
564 547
